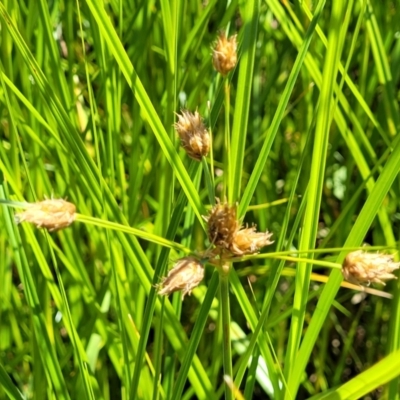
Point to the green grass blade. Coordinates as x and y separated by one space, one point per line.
262 158
143 99
366 382
357 234
8 385
250 15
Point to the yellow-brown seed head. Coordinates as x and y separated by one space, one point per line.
222 224
249 241
361 267
194 136
186 274
224 56
51 214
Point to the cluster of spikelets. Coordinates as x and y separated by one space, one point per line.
361 267
225 231
230 239
228 235
224 56
51 214
195 138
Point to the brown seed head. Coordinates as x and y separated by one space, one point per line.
222 224
194 136
360 267
224 56
249 241
51 214
186 274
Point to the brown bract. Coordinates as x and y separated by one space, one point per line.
194 136
224 56
52 214
186 274
362 267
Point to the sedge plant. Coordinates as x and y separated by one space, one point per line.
199 200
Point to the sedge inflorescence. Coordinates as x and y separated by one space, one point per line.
51 214
194 136
224 55
230 239
361 267
227 233
186 274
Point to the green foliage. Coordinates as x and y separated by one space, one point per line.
304 139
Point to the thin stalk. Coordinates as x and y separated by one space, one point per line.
226 327
227 159
211 147
209 181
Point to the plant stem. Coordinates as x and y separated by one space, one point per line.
226 326
209 181
227 159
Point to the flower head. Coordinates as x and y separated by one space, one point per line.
224 56
186 274
359 266
225 231
52 214
194 136
249 241
222 224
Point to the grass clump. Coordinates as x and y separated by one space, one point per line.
295 131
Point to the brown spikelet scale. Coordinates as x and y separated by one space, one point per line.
224 56
222 224
186 274
52 214
361 267
194 136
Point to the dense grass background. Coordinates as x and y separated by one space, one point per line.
87 100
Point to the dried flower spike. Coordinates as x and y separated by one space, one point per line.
222 224
224 56
249 241
194 136
360 267
52 214
186 274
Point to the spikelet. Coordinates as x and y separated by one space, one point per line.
194 136
224 56
52 214
362 267
222 224
249 241
225 231
186 274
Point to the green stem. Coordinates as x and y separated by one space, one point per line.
227 158
226 327
211 147
209 181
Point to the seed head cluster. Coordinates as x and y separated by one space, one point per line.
361 267
52 214
222 224
194 136
224 54
226 232
186 274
